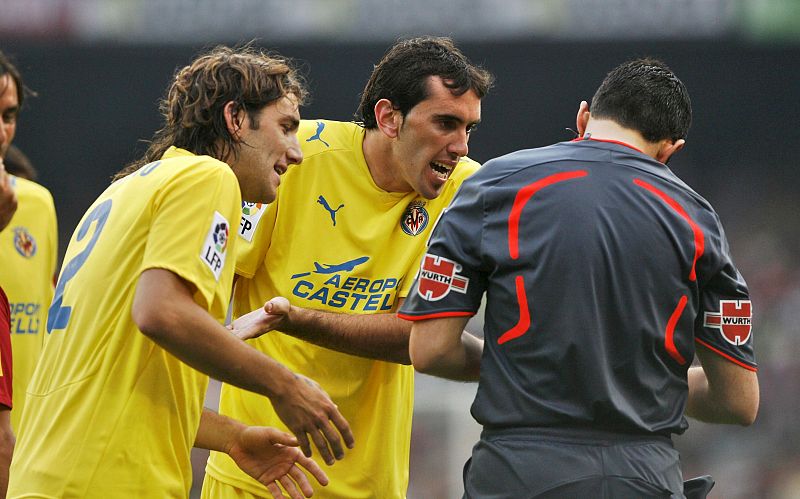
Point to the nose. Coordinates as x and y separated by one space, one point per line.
459 146
294 154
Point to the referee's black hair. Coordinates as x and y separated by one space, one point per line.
645 95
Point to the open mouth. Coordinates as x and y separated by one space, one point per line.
441 170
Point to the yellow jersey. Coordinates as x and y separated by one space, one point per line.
28 252
109 412
335 241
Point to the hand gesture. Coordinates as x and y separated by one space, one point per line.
271 457
263 320
8 198
307 410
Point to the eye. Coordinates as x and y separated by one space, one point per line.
471 128
10 118
448 124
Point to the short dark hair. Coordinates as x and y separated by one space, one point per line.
8 68
401 76
645 95
193 107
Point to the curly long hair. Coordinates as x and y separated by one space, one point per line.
193 107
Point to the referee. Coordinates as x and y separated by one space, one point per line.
605 275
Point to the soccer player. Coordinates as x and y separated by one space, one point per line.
341 242
28 248
115 403
605 275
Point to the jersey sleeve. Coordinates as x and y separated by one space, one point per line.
190 234
255 234
6 371
450 281
724 324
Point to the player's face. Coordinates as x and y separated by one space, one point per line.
268 150
9 107
433 137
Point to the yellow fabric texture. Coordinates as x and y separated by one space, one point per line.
28 252
110 413
361 264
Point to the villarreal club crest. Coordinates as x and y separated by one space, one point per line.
415 218
24 242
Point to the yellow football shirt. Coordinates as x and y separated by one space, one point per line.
28 252
335 241
109 412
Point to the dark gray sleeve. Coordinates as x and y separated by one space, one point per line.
450 281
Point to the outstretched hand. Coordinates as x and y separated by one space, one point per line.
271 457
307 410
262 320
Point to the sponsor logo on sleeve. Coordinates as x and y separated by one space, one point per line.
438 276
216 245
251 215
415 218
24 242
733 320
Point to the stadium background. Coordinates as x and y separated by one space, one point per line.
99 68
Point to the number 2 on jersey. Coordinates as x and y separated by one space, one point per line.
58 315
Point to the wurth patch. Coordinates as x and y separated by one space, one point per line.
734 320
439 275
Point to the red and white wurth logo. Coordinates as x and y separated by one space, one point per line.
734 320
438 276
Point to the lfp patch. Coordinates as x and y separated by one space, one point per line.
216 245
439 275
415 218
24 242
734 320
251 214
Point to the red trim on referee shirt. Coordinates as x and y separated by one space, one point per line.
578 139
520 200
723 354
437 315
699 239
669 334
524 321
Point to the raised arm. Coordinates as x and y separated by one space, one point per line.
165 311
721 391
8 198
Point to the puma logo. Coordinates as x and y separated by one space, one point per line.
321 200
318 135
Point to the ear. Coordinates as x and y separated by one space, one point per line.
388 118
582 119
667 148
234 119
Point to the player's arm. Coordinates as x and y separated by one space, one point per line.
440 347
266 454
6 447
8 198
165 311
721 391
375 336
